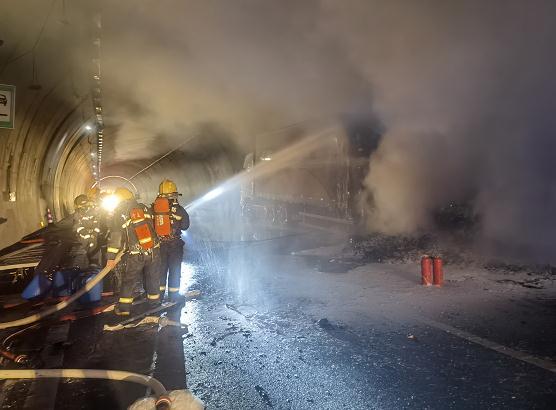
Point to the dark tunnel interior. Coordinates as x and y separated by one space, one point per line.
50 156
368 204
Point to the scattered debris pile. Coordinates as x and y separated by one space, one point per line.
381 248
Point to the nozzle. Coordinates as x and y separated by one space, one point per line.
164 321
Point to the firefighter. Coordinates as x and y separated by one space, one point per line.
170 219
60 244
88 228
96 197
132 231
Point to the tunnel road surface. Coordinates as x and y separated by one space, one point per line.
271 331
278 326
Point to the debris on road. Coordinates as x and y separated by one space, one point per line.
264 395
325 324
192 294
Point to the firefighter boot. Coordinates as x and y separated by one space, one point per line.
154 300
176 297
123 308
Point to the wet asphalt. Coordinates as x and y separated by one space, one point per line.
253 346
269 332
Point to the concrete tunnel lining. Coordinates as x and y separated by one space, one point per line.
45 159
46 163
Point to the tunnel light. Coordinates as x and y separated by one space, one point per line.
110 202
88 127
92 154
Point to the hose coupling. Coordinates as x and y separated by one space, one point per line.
163 403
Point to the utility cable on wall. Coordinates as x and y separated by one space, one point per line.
96 94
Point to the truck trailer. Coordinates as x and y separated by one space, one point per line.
318 180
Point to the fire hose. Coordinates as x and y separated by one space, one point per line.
162 399
56 308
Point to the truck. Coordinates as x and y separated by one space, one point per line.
310 174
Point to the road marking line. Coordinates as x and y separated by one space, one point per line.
516 354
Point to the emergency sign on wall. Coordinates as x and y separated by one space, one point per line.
7 106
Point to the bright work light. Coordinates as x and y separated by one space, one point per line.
110 202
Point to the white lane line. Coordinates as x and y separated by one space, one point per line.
516 354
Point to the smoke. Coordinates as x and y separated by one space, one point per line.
464 90
248 66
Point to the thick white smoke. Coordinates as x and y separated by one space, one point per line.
465 91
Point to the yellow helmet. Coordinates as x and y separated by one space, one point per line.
167 187
93 193
124 194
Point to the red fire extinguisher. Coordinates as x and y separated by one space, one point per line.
438 271
426 270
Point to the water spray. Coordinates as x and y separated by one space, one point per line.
268 165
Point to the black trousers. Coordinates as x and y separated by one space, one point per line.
171 256
144 267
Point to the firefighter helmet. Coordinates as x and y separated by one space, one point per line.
124 194
167 187
93 193
81 201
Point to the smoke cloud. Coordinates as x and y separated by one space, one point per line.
249 66
465 91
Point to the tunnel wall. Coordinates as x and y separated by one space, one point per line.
45 159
